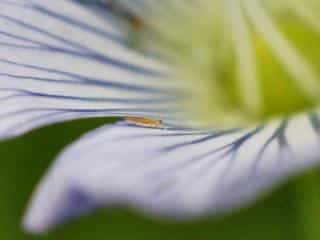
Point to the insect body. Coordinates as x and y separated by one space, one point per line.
147 122
134 21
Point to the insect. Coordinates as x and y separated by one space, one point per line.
134 21
147 122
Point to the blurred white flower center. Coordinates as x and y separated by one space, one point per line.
241 61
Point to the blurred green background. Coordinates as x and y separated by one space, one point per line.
291 212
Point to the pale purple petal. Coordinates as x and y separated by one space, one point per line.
172 172
60 61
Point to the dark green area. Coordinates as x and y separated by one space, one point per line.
283 215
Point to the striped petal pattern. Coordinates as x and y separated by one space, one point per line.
68 59
172 172
60 61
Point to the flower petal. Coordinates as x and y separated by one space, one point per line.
59 61
172 172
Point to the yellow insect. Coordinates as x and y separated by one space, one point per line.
148 122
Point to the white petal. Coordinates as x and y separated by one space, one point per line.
171 172
61 61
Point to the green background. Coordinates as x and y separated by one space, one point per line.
290 212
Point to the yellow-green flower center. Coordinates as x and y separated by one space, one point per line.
242 61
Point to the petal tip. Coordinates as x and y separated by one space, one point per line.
33 222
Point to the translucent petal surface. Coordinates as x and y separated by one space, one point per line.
172 172
59 61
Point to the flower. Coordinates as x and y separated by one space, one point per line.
219 97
